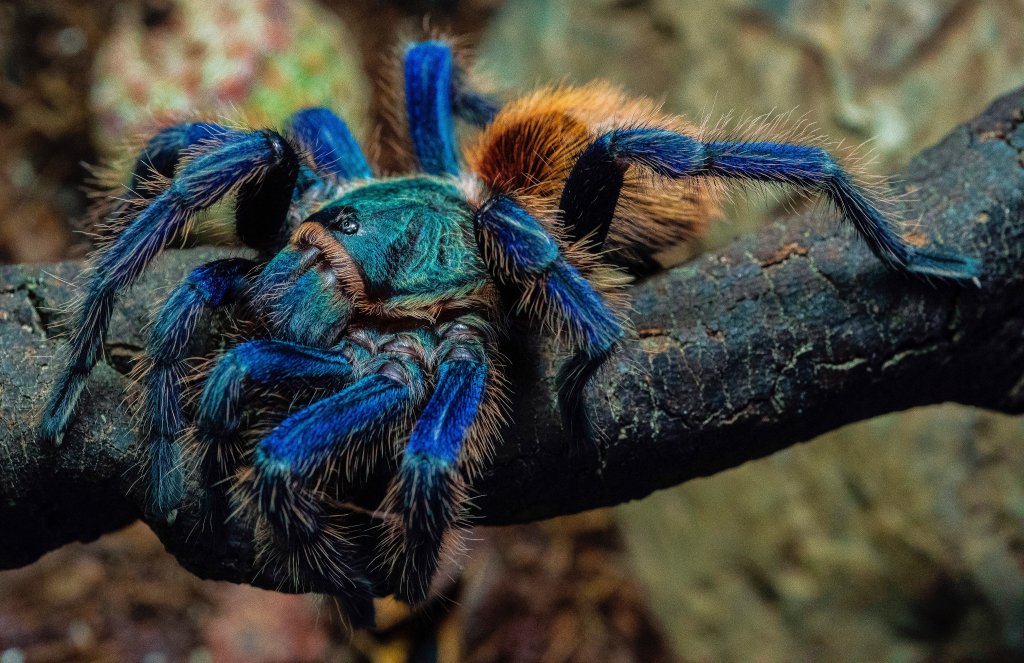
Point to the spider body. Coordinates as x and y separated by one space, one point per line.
385 300
405 247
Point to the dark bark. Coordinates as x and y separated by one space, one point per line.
780 337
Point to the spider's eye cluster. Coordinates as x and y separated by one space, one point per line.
349 226
343 219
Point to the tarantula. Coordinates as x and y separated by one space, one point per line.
389 295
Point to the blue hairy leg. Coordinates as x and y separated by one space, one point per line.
245 368
210 286
289 460
317 130
331 146
435 92
429 485
529 257
591 193
162 152
428 102
260 204
591 190
156 162
302 444
260 165
328 140
472 106
532 258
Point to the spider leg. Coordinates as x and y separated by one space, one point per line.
330 144
318 131
527 255
304 442
333 149
260 165
302 445
160 157
157 161
592 188
471 106
162 152
207 287
238 375
428 102
429 486
436 91
258 204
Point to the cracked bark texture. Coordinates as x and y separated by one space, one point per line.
780 337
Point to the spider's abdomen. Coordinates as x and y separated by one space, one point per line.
531 146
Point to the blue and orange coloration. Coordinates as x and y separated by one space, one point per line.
386 298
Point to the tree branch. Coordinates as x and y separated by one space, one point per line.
779 338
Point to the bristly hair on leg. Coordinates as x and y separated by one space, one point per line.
241 160
448 442
871 204
329 561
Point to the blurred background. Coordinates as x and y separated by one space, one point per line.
899 539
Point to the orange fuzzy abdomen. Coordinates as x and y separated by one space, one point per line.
531 146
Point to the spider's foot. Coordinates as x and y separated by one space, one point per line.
56 418
166 479
52 428
326 563
417 569
427 494
313 549
945 266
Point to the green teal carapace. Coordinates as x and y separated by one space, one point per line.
411 239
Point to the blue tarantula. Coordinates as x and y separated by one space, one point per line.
386 298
